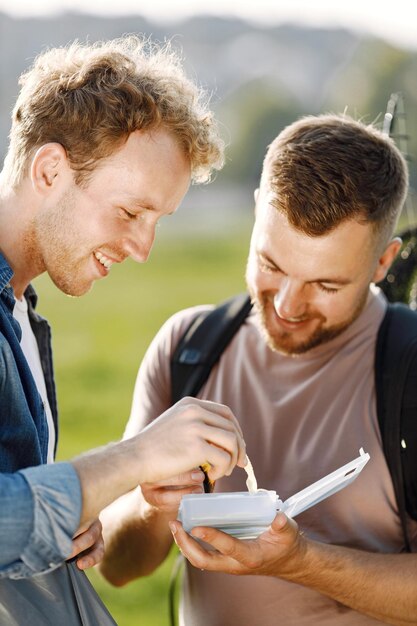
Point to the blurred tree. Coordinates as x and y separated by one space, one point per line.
254 114
364 86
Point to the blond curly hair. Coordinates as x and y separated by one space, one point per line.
90 97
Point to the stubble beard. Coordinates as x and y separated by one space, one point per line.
284 341
58 240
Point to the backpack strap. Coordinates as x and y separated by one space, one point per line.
396 401
202 344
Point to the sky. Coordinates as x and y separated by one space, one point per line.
395 21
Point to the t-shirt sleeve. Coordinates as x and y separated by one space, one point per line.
152 394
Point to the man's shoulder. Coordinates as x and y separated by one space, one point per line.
176 326
178 323
190 313
397 340
400 319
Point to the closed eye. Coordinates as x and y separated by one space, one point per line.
267 266
127 214
327 289
264 267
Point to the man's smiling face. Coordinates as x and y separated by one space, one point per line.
307 290
77 238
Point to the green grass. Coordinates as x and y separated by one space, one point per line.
99 341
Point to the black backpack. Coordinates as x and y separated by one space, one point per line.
395 374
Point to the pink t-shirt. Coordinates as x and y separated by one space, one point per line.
302 417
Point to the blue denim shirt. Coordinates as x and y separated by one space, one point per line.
40 505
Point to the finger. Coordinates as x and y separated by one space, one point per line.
87 538
224 426
93 529
92 556
170 498
227 441
215 407
187 479
218 460
242 457
192 418
244 553
195 553
282 524
283 530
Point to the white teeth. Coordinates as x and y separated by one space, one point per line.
103 260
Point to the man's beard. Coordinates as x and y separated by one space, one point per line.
60 240
284 342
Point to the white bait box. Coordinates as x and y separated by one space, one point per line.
246 515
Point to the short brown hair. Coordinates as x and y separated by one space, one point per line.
322 170
89 98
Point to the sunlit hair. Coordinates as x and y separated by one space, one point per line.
89 98
325 169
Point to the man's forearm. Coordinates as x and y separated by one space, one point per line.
383 586
137 539
105 474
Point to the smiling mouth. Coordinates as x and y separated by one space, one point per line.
292 320
104 260
292 323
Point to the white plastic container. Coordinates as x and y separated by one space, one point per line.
246 515
239 513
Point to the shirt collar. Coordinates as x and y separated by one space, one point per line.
31 296
6 273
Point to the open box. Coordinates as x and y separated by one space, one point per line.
246 515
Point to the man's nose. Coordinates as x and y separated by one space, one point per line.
289 301
139 244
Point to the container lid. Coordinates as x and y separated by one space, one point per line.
325 487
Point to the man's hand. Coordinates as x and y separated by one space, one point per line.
166 495
188 434
89 545
276 552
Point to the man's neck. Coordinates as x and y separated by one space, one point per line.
16 237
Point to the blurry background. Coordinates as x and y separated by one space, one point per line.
265 64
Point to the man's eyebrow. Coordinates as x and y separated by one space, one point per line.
140 202
330 281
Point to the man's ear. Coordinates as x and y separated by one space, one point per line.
386 259
49 161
